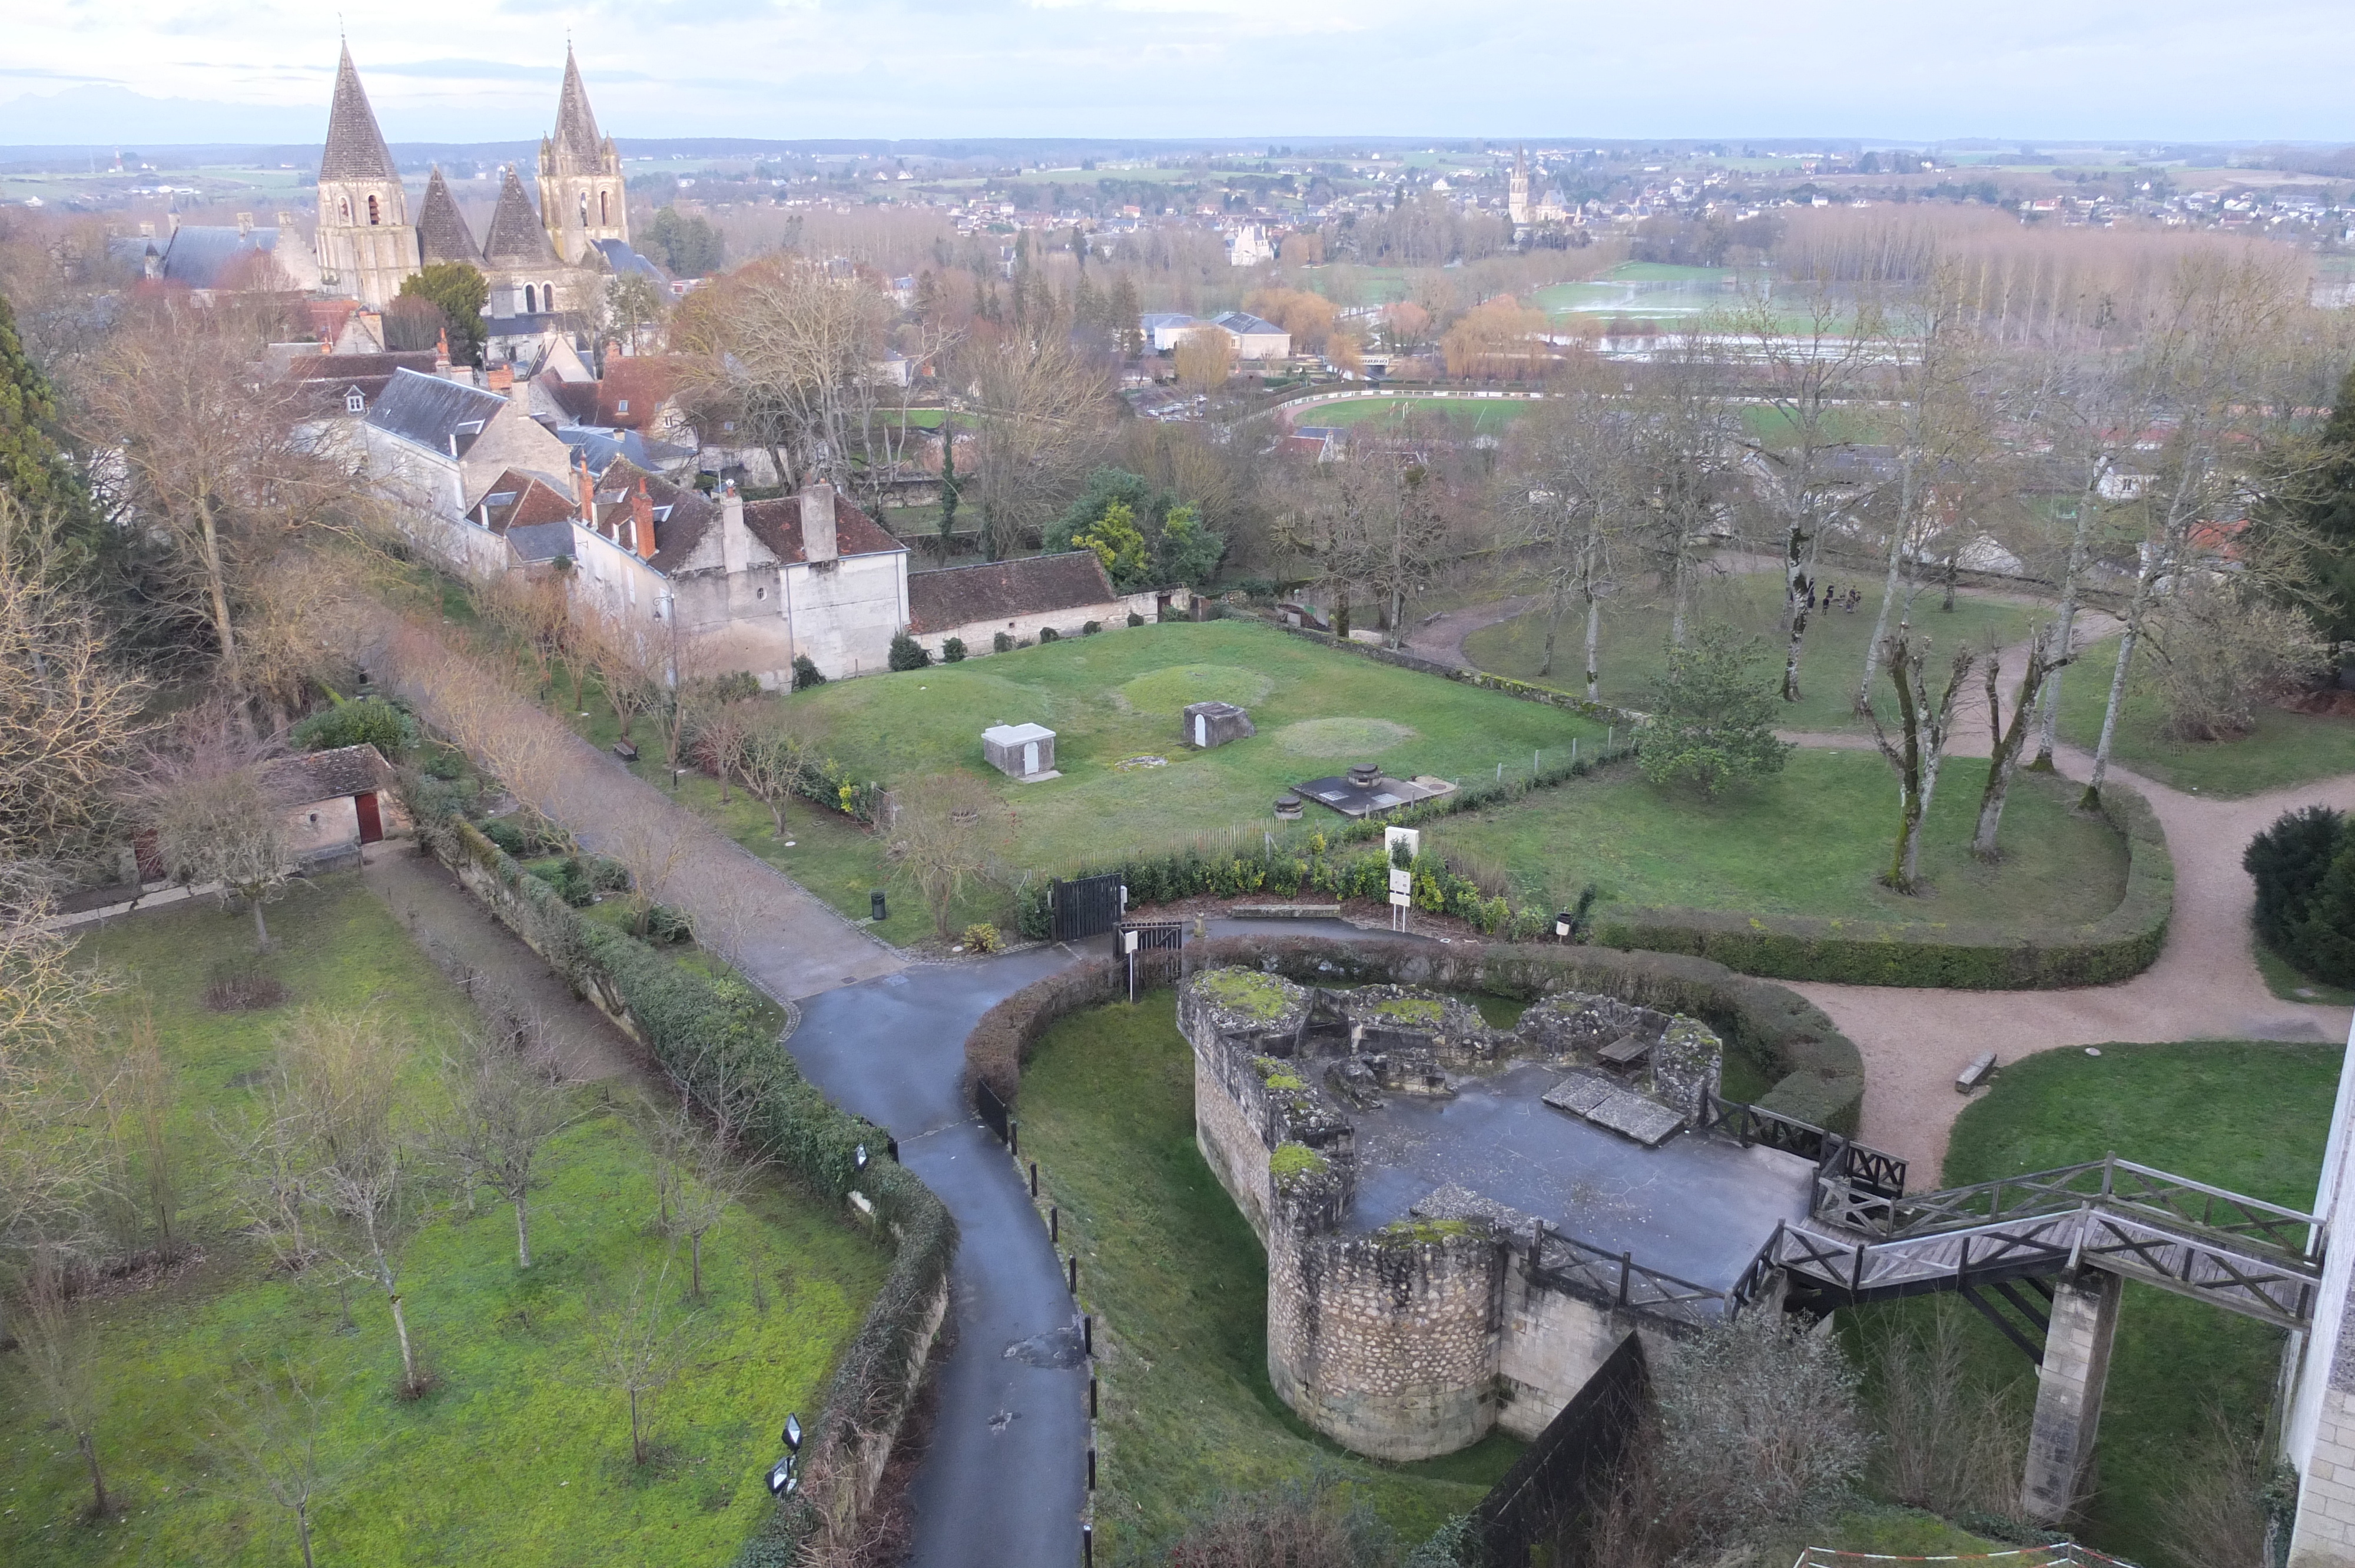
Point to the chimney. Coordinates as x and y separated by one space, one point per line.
817 523
244 224
441 354
501 379
585 490
642 521
735 539
174 217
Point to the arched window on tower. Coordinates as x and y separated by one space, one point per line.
346 205
547 296
528 308
604 213
373 219
584 209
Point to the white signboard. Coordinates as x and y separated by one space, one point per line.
1401 882
1401 900
1410 837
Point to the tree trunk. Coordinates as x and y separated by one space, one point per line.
637 1432
2066 624
1680 594
695 1265
261 931
2091 798
2005 745
523 1231
1888 598
1796 584
1594 635
302 1530
408 1354
217 589
1554 608
87 1443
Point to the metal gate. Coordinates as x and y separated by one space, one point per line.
1087 907
1154 952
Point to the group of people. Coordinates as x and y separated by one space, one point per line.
1835 600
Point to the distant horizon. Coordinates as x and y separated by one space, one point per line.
185 72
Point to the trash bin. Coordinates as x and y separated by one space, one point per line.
875 903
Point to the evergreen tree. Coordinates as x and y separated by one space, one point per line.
949 489
2328 513
1125 316
32 470
460 293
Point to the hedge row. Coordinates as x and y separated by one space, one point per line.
686 1018
1963 956
1527 691
1819 1076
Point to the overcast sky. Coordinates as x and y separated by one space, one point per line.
466 71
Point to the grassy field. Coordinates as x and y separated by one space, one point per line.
1634 644
517 1455
1483 417
1120 695
2251 1117
1182 1282
2284 748
1809 841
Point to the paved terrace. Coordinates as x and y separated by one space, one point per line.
1699 1206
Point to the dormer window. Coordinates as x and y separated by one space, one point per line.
354 401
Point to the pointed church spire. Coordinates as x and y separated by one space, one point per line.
355 149
576 123
441 231
517 239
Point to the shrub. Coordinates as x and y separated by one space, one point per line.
365 721
907 653
953 650
1134 619
1048 634
982 938
241 984
1716 716
736 686
2304 866
509 837
1002 644
667 924
446 764
805 673
1091 628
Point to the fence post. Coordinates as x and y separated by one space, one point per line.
1626 1263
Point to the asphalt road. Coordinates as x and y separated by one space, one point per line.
1005 1480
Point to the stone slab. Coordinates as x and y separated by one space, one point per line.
1580 1094
1352 800
1454 1203
1648 1122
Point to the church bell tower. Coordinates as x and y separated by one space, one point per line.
581 194
366 244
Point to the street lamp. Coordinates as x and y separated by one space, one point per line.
782 1478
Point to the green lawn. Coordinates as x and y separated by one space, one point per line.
1487 416
1180 1284
1809 841
516 1455
1120 694
2284 748
1634 644
2247 1115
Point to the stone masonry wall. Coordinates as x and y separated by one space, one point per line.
1549 1345
1229 1137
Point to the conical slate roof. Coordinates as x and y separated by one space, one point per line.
517 239
355 149
441 231
576 123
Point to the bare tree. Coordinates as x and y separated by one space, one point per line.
213 822
1572 489
137 1095
277 1428
2009 741
701 1181
503 1110
637 1349
62 1352
776 755
1947 1446
335 1085
1038 421
652 849
1922 730
944 835
722 734
629 668
69 714
1684 445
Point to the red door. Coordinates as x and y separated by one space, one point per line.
371 820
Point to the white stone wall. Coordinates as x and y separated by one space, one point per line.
845 616
980 636
1549 1345
323 825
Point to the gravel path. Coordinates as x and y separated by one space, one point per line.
1442 637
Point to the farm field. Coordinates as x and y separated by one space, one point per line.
2246 1116
2285 747
1632 653
1809 841
517 1453
1489 416
1653 289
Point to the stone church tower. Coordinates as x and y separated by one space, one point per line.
365 241
1517 198
580 195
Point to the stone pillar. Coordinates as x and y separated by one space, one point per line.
2069 1393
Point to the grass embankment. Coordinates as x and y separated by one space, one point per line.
1182 1282
2251 1117
517 1455
2284 748
1111 698
1633 648
1812 840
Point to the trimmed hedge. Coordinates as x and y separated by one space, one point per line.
681 1015
1962 957
1819 1074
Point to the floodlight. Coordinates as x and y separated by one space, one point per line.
793 1433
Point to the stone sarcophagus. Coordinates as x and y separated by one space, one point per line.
1215 724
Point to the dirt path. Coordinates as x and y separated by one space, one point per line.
1442 637
491 962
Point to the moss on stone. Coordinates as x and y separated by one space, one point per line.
1413 1233
1286 1081
1293 1161
1424 1012
1246 991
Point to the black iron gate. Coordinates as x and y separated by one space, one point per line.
1154 952
1087 907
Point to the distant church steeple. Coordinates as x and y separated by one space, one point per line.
366 244
580 192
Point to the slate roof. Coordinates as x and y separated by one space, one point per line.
1244 325
429 411
680 514
323 378
355 149
576 123
622 258
441 231
199 255
533 543
517 499
777 522
1002 590
325 775
517 239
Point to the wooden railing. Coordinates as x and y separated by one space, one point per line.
1617 1281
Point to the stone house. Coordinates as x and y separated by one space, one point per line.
1256 340
1022 598
334 802
436 447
